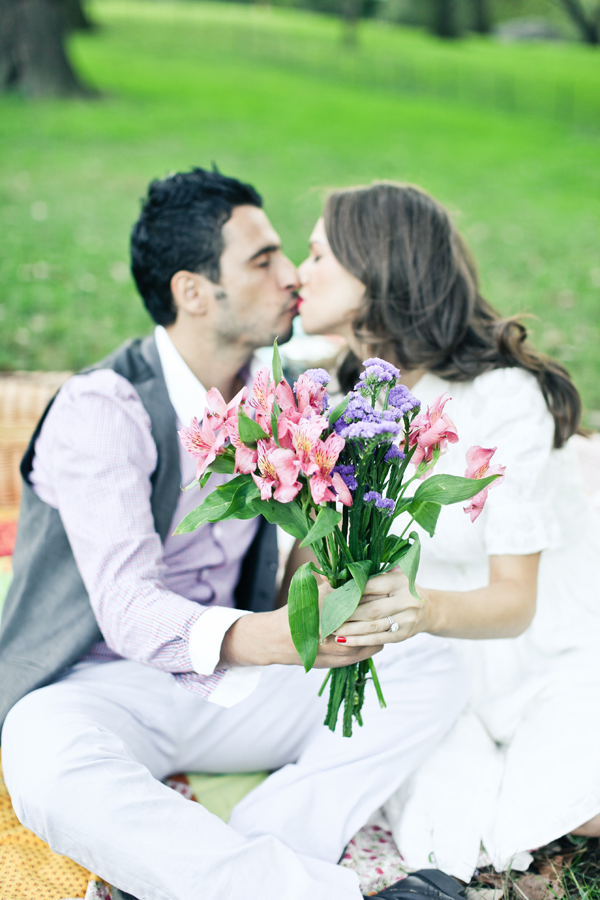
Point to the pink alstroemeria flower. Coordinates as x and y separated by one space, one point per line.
478 466
434 427
306 435
245 457
263 394
278 469
202 442
310 395
219 412
324 456
289 415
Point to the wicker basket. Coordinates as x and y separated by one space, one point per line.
23 397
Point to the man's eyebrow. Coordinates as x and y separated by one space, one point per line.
270 248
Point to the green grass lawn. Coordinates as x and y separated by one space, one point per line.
507 136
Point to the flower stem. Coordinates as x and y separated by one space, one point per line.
375 678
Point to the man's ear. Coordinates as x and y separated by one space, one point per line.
191 292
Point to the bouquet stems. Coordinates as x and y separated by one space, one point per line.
348 687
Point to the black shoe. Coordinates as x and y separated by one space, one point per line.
120 895
428 884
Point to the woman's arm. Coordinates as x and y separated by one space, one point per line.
503 609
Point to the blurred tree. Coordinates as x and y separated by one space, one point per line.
586 18
482 18
444 19
33 60
75 16
351 11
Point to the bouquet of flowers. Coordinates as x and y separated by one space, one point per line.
336 480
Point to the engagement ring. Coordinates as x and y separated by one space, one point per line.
393 625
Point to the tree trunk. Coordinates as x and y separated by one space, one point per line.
482 22
589 28
444 19
75 16
32 53
350 11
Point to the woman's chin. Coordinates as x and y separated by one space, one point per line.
309 327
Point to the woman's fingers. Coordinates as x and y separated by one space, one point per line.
381 607
385 584
384 636
378 626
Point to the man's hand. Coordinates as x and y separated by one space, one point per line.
264 639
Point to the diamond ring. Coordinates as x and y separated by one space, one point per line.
393 625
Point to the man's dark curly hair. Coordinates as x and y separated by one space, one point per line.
180 228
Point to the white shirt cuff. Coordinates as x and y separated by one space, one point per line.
206 637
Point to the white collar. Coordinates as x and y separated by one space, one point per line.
186 393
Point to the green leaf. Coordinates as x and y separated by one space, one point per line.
409 562
277 369
447 489
303 614
243 497
341 603
288 516
275 413
223 465
194 483
426 513
250 432
338 411
392 546
204 479
326 522
223 503
360 571
212 509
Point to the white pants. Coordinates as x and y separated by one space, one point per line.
83 761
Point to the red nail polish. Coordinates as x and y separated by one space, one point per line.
341 640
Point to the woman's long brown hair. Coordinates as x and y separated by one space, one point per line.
422 306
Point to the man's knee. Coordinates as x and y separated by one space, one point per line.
31 760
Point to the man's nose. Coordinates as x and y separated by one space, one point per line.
290 280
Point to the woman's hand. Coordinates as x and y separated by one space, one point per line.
385 595
502 609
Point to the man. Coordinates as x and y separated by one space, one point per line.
123 657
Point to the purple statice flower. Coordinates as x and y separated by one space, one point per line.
401 398
347 473
319 376
378 371
388 505
366 431
358 410
393 453
379 501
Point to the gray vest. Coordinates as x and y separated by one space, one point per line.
48 623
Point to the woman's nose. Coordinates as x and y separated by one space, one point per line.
303 273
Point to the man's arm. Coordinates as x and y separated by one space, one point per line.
94 461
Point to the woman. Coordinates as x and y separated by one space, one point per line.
517 588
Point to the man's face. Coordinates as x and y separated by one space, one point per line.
255 300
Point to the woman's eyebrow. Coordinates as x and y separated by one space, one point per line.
270 248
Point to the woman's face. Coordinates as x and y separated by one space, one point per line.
330 296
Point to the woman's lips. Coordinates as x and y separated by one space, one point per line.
299 302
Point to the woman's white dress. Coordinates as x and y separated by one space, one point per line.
522 765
